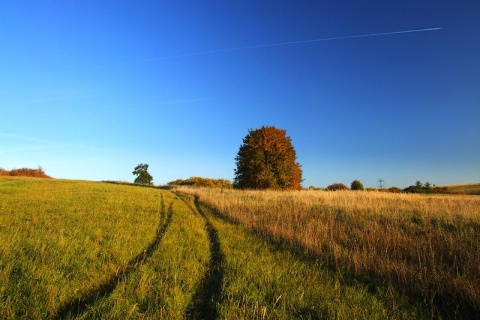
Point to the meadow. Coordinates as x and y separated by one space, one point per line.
93 250
425 247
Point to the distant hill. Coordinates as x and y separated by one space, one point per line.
462 189
25 172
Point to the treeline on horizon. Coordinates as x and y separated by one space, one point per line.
25 172
418 187
356 185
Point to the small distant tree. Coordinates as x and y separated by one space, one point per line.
356 185
143 177
418 185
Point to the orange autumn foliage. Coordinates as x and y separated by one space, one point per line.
267 160
25 172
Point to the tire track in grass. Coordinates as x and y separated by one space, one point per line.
78 306
205 300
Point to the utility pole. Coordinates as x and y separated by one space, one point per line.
381 183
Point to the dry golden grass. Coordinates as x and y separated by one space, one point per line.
426 246
464 189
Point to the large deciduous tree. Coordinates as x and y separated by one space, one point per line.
143 177
267 160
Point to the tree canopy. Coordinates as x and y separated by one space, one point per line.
356 185
267 160
143 177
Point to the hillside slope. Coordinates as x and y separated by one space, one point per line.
472 189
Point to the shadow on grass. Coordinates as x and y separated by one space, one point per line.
205 300
441 306
374 282
78 306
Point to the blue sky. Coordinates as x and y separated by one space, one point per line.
90 89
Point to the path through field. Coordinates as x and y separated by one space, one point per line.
206 298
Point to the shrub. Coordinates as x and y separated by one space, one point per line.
202 182
26 172
337 186
395 190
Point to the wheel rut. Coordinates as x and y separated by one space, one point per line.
205 300
78 306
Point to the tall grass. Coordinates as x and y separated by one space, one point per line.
425 246
260 280
62 239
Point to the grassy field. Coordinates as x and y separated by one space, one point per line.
91 250
61 239
76 249
423 247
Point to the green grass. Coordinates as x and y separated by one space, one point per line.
79 249
164 286
60 240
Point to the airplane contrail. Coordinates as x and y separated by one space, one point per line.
301 41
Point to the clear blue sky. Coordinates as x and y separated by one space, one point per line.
90 89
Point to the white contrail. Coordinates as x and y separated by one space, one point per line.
301 41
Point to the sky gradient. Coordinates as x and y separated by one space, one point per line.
366 90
